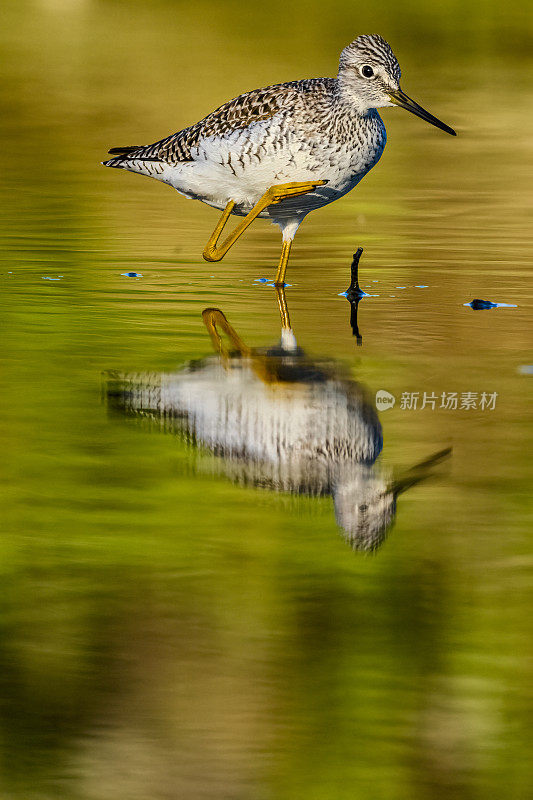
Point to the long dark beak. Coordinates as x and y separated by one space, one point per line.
399 98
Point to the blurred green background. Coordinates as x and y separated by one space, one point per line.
166 634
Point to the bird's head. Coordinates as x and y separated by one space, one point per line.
365 499
364 508
369 77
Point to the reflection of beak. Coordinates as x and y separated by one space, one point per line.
399 98
418 473
405 482
436 458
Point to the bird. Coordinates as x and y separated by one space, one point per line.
280 420
282 151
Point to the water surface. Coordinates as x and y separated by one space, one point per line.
169 631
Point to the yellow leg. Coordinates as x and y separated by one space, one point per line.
283 310
210 251
284 260
265 367
272 196
213 317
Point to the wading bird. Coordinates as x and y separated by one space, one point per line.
285 150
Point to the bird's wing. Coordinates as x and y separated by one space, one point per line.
236 114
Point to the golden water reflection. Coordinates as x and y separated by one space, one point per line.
166 632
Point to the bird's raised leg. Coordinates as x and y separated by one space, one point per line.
262 365
214 317
215 252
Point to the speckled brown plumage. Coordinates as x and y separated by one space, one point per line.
236 114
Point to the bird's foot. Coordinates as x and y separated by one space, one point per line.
282 191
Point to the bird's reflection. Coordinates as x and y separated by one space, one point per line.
280 420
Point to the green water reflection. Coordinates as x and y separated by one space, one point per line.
167 633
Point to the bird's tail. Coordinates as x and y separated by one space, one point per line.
122 155
135 158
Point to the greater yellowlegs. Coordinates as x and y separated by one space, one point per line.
282 151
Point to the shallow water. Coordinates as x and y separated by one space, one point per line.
171 629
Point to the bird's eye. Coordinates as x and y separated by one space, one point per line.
363 508
367 71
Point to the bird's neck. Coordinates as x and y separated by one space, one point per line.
348 101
